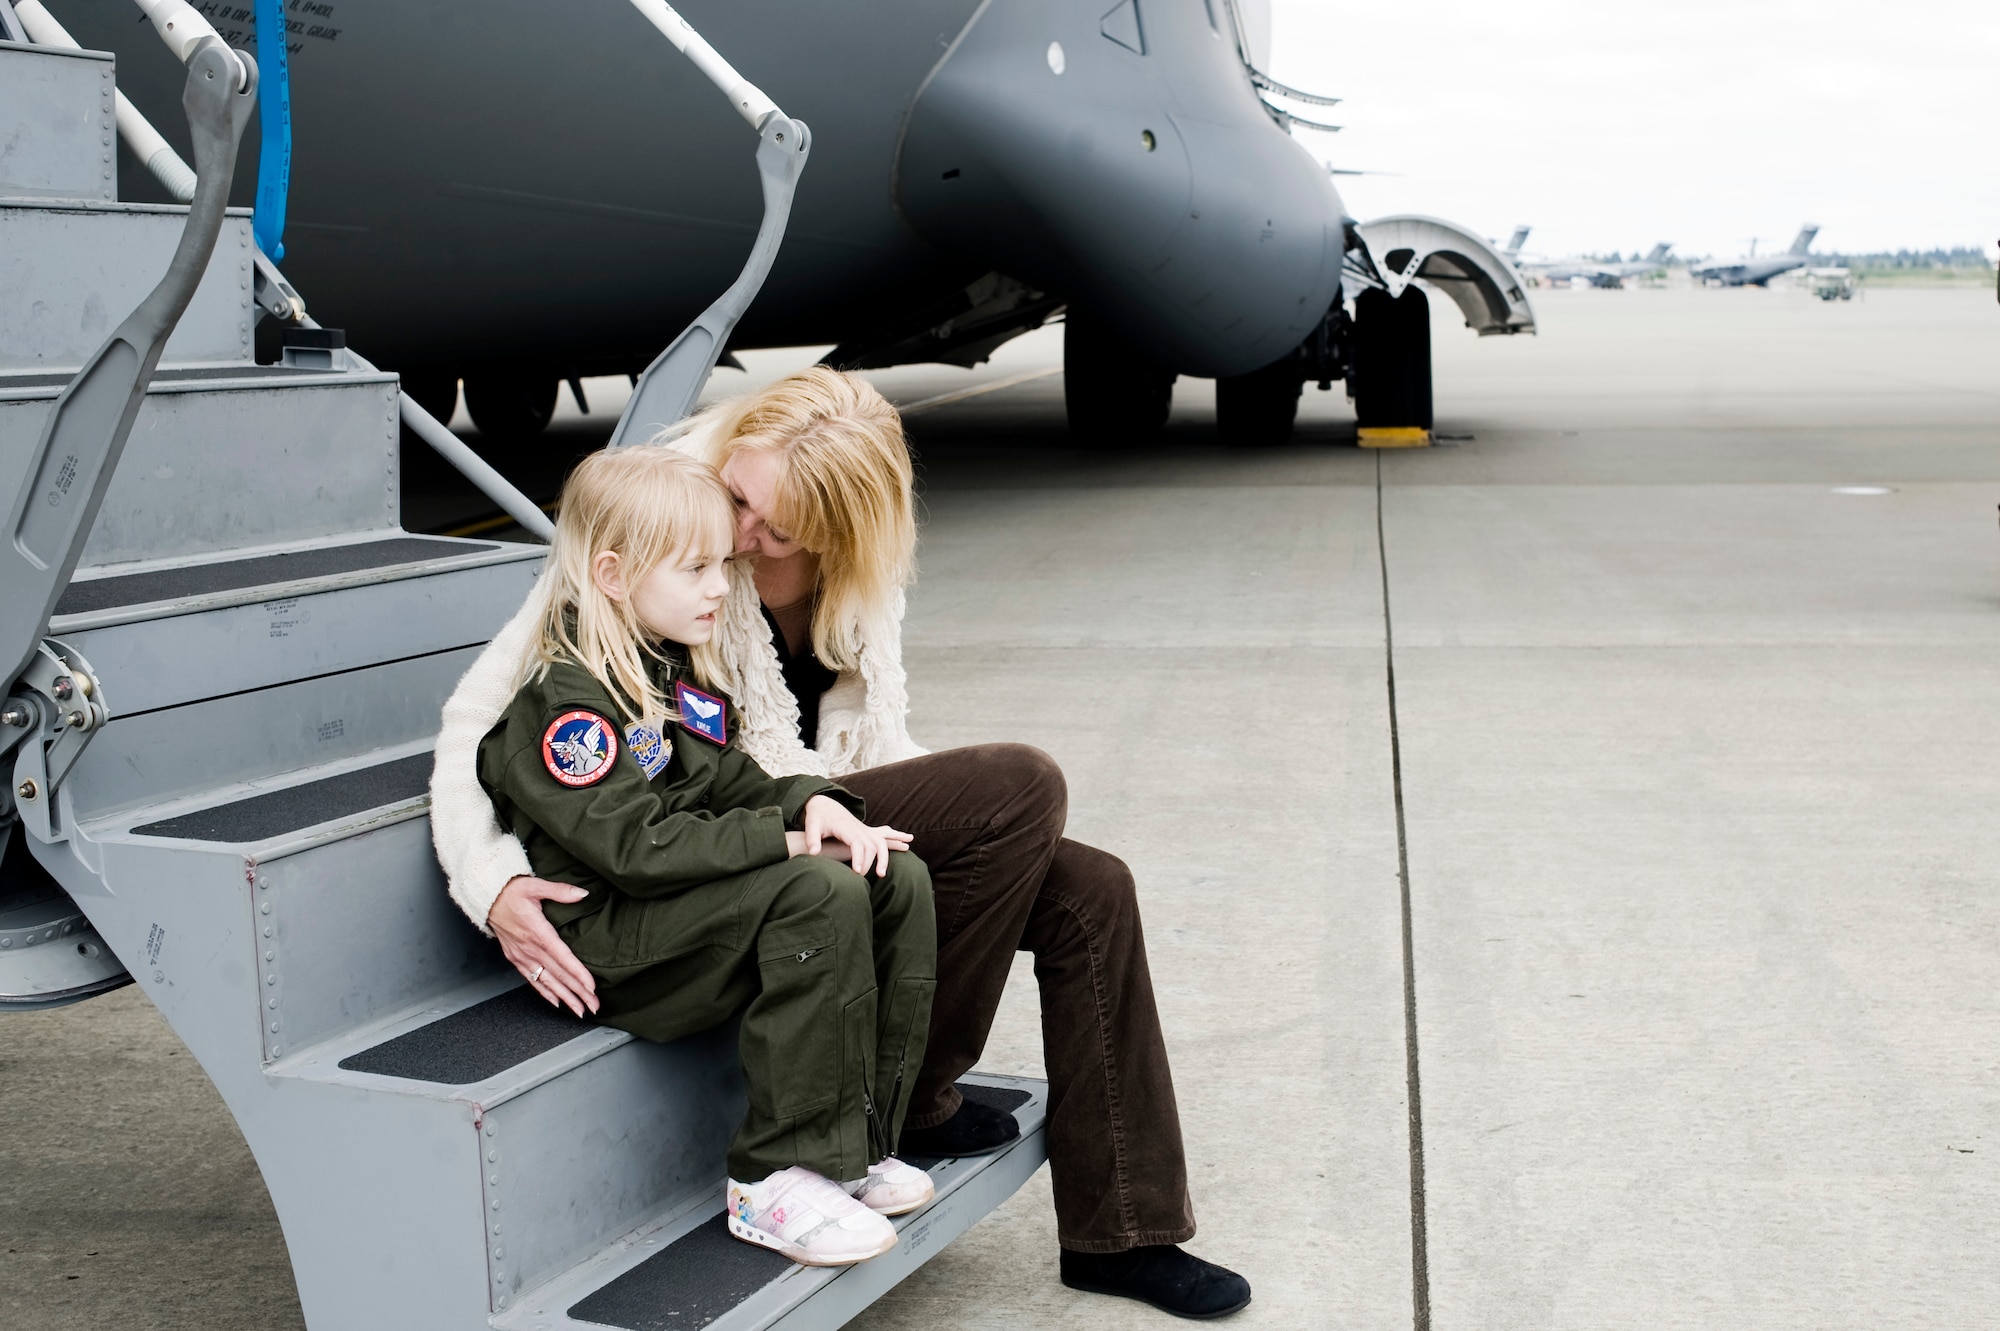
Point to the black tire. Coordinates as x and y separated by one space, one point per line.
436 391
1114 393
510 406
1391 377
1258 409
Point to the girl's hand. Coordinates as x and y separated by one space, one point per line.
865 848
533 945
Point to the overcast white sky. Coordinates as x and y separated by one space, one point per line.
1611 126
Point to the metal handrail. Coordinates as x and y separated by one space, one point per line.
667 391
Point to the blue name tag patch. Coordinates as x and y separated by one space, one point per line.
649 748
702 714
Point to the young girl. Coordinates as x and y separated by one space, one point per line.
707 884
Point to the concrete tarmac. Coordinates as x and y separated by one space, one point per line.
1694 756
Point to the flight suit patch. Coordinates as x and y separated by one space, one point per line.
649 748
578 747
703 714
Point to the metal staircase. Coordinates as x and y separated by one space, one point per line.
219 752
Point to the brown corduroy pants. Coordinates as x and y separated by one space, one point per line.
988 821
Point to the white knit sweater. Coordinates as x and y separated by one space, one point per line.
863 722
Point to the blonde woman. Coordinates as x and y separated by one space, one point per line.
809 648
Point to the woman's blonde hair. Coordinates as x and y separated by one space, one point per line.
843 492
646 504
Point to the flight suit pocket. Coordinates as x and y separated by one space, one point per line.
792 1033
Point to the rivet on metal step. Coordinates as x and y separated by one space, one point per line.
265 907
503 1300
270 956
489 1129
270 979
493 1156
276 1050
273 1005
499 1254
267 931
493 1180
274 1028
496 1203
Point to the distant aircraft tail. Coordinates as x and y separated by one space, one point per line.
1660 251
1803 243
1517 240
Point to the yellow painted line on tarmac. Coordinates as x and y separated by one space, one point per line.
946 399
1393 436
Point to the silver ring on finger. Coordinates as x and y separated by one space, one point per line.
536 978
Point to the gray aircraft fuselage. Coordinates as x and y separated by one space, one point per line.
555 187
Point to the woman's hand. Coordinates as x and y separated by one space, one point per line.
865 848
533 945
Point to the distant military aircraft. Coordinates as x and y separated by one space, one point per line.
1752 270
512 194
1598 272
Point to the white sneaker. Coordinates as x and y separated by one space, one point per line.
809 1219
892 1187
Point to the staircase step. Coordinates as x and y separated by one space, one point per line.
214 583
145 766
474 1044
70 272
230 459
680 1270
219 631
329 799
58 128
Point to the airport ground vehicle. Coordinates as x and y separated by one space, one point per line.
228 661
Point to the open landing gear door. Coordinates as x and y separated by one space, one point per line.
1403 248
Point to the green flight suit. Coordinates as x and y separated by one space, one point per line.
695 910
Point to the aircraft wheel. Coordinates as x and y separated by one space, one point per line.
1391 378
1256 410
436 391
510 406
1113 392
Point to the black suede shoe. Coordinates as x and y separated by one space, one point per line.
1162 1275
976 1129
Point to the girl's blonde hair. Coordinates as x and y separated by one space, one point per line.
843 493
647 504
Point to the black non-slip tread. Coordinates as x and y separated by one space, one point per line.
280 811
701 1276
482 1041
175 584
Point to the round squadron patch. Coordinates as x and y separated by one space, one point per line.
578 747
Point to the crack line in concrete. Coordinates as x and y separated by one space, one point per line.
1420 1272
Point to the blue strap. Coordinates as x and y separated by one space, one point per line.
274 110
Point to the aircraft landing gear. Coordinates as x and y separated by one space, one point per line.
510 406
1113 393
1391 379
1258 409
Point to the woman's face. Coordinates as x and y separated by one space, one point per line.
752 478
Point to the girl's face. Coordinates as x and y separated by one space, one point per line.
677 600
752 477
